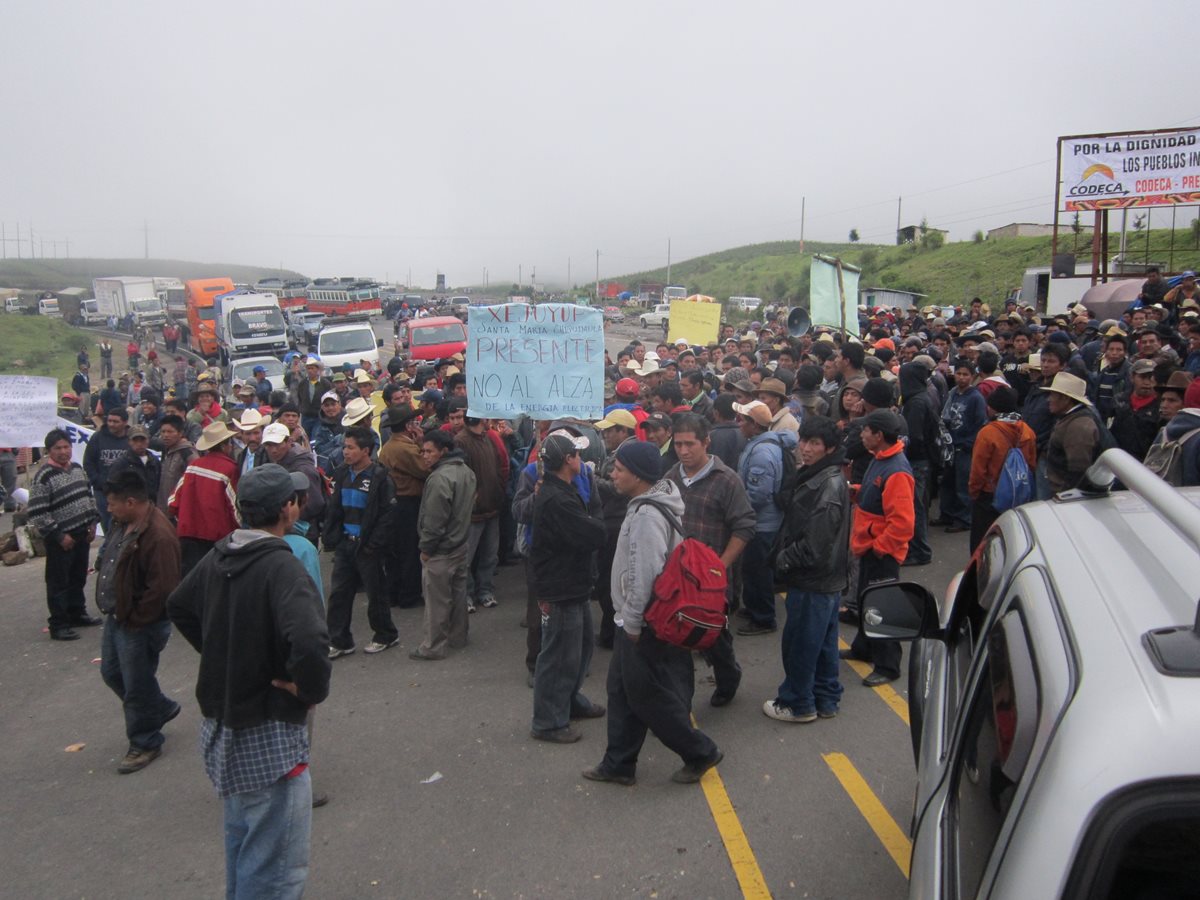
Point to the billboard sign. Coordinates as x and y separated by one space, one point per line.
1120 171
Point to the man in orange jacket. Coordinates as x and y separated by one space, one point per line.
1004 432
884 518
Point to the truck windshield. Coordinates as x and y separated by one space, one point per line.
206 313
145 305
438 334
359 341
256 322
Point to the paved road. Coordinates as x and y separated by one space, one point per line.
508 817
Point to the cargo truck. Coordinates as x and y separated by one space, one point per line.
78 310
131 299
201 316
249 324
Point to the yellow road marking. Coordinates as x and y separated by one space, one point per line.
885 691
737 847
894 841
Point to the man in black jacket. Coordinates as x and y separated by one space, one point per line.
255 617
566 535
922 419
812 560
357 525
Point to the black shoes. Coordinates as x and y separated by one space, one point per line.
595 711
566 735
64 634
876 678
917 562
136 760
86 621
598 774
849 654
690 773
957 527
752 628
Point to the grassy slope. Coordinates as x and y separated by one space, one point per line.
39 345
950 274
56 274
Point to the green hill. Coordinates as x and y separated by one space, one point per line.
56 274
949 273
38 345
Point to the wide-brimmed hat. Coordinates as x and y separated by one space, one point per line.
772 386
398 416
357 410
251 419
648 367
215 433
1070 386
1179 381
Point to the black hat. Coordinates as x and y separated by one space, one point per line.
399 416
266 487
642 459
878 393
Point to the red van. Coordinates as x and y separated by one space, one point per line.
434 337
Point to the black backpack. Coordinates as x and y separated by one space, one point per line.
787 484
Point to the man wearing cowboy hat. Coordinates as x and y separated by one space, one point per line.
250 425
203 504
206 408
1075 440
773 394
312 387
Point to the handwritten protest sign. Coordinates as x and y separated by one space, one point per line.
696 323
28 409
546 361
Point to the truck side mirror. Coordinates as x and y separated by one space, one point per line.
898 611
378 342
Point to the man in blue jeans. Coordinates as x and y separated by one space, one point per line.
761 468
256 618
137 571
812 561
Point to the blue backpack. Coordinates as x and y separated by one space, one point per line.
1015 484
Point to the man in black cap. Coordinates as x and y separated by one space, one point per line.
566 534
650 683
884 519
255 616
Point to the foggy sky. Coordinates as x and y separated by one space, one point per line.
379 138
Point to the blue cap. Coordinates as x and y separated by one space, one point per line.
433 395
258 369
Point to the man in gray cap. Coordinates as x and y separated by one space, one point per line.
251 611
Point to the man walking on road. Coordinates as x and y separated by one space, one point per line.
136 574
256 619
401 456
717 513
63 511
650 682
566 535
883 527
357 527
443 526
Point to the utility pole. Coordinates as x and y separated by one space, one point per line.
803 201
18 240
3 243
668 260
520 277
568 273
899 202
146 234
597 277
68 243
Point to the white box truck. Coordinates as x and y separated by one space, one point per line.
132 299
249 324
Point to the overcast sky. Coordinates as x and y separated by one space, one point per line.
378 138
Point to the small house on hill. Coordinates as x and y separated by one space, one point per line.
911 234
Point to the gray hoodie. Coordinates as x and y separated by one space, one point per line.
645 542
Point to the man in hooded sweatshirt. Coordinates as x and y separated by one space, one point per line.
650 683
1004 432
256 619
1183 423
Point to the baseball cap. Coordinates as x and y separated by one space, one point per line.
331 395
276 433
755 410
138 431
258 369
657 420
338 377
622 417
627 387
268 486
1143 367
311 360
557 446
433 395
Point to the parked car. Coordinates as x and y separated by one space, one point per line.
303 327
242 370
613 314
658 316
1053 699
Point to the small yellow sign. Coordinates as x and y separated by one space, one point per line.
696 323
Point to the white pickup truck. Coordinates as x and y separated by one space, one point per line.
659 316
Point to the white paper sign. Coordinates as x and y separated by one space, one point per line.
28 409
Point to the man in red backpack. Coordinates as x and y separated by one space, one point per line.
650 682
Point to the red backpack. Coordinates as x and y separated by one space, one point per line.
687 605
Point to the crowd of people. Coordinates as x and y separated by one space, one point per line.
809 464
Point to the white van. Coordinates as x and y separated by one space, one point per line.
745 303
352 342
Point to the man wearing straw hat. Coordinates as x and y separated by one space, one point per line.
203 504
1075 440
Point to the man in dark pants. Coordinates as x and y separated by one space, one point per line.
63 511
883 526
401 456
650 682
717 512
566 536
357 525
136 574
104 448
618 427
